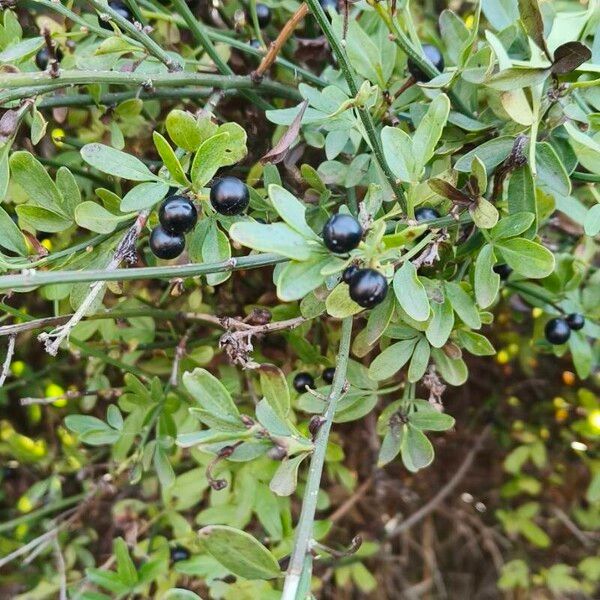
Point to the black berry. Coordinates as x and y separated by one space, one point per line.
503 270
349 273
329 4
426 213
328 375
42 58
575 321
166 245
229 196
435 58
302 381
177 214
342 233
557 331
263 14
179 553
368 288
119 8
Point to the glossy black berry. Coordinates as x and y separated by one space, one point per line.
119 8
302 381
328 375
503 270
349 273
575 321
263 14
342 233
557 331
368 288
179 553
435 58
426 213
166 245
42 58
229 196
329 4
177 214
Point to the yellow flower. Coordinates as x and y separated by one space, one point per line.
57 135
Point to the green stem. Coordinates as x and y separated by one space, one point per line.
579 176
304 529
365 116
41 512
158 80
201 36
526 290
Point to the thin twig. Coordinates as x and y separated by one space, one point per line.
179 354
60 567
125 251
276 46
10 351
420 514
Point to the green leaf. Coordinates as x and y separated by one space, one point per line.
491 154
521 196
143 196
475 343
528 258
285 480
239 552
463 304
500 13
586 148
397 149
410 292
292 211
428 418
164 470
275 389
429 131
297 279
170 159
484 213
116 163
416 449
582 353
37 218
391 444
441 324
275 237
21 51
216 248
69 191
512 226
208 159
12 238
31 175
516 78
592 221
453 370
186 131
339 304
419 361
108 580
486 281
392 359
125 568
94 217
210 393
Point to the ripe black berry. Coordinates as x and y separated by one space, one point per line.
349 273
166 245
368 288
263 14
426 213
435 58
557 331
503 270
229 196
342 233
119 8
575 321
179 553
329 4
328 375
42 58
177 214
302 381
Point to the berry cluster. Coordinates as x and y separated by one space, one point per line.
558 330
177 216
306 380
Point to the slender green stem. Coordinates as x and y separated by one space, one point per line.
365 116
34 278
201 36
158 80
137 34
41 512
579 176
304 529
